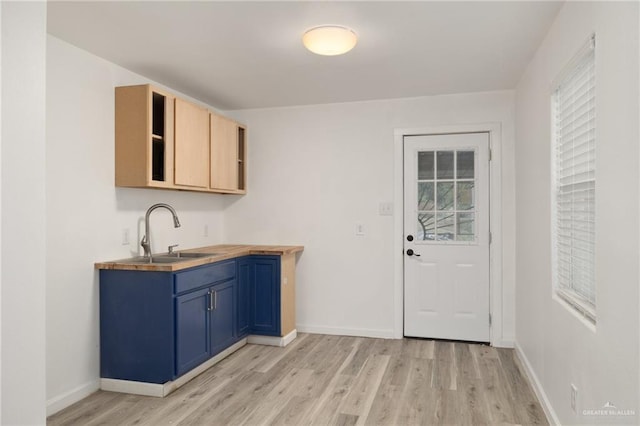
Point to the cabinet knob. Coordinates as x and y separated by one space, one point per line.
410 252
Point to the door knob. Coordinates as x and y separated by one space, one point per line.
409 237
410 252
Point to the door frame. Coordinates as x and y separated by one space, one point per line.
495 221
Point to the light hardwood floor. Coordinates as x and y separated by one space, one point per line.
335 380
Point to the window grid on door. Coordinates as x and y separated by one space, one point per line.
446 210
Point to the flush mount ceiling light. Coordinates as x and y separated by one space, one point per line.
329 40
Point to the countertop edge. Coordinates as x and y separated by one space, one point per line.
222 252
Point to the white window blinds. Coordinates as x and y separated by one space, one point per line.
574 183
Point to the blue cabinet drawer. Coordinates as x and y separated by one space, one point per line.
204 275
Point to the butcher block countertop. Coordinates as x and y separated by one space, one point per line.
218 253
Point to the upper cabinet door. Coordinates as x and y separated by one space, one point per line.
191 149
224 153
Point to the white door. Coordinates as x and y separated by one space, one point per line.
446 236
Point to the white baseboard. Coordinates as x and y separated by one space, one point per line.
358 332
136 388
273 340
504 344
161 390
552 418
68 398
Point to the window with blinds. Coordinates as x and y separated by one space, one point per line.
574 183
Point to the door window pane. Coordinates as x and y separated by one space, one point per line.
445 195
425 165
465 164
426 226
445 227
445 164
465 196
466 227
425 196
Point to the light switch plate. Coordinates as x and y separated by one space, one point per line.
359 229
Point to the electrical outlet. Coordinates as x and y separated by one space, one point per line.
359 229
125 237
385 209
574 397
205 232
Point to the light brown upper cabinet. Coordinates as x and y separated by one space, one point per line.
166 142
228 155
191 145
144 137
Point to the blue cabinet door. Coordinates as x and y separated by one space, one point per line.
222 316
193 344
244 271
264 295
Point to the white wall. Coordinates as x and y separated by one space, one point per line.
316 171
0 213
85 213
558 347
23 213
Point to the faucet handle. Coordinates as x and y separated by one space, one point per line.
146 246
171 247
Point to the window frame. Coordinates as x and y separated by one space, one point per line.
576 302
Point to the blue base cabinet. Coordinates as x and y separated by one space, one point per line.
156 326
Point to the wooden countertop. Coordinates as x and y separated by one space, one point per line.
218 253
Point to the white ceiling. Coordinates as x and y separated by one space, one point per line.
236 55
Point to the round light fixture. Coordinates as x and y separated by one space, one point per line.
329 40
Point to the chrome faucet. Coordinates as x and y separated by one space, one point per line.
146 240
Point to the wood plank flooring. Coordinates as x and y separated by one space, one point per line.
334 380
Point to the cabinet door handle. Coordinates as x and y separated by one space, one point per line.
215 300
210 307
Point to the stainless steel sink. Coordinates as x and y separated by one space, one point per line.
155 259
192 254
168 258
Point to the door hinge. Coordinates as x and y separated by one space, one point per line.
489 319
490 154
490 237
